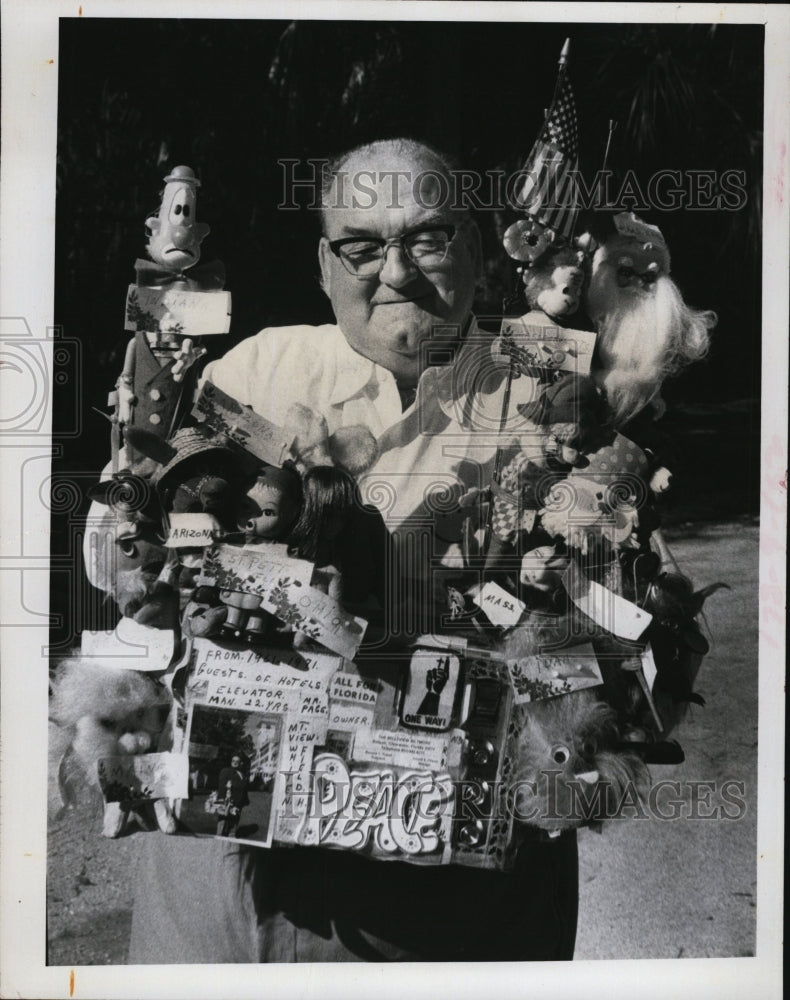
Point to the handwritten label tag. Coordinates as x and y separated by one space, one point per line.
191 531
131 646
242 424
258 685
604 607
253 569
317 615
500 607
349 718
187 313
144 777
302 734
548 675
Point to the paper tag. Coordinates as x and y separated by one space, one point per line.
552 347
500 607
352 689
131 646
604 607
431 691
300 738
144 777
649 668
191 531
317 615
185 312
242 424
403 749
253 569
548 675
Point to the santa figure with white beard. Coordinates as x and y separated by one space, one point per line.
646 332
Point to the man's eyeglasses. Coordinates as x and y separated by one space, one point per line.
364 257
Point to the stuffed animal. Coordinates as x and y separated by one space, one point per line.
568 770
646 332
553 285
109 712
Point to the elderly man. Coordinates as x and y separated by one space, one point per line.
399 263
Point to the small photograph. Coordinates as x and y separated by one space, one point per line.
233 758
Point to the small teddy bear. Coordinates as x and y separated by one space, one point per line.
569 770
110 712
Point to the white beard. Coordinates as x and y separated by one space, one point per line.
644 335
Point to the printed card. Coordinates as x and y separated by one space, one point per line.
401 748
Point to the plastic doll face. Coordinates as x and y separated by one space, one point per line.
176 235
270 510
535 569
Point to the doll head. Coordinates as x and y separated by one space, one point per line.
111 711
646 332
175 234
272 505
196 471
542 568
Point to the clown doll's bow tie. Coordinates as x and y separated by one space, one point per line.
202 277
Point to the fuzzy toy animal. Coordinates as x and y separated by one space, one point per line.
109 712
553 285
568 769
646 332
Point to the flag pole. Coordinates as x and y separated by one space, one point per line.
562 66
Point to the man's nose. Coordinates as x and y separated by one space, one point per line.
396 268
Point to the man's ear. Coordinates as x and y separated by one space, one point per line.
325 261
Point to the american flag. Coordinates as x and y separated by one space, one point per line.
549 193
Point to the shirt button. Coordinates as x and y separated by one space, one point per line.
155 394
154 419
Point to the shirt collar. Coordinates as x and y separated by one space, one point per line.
354 372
